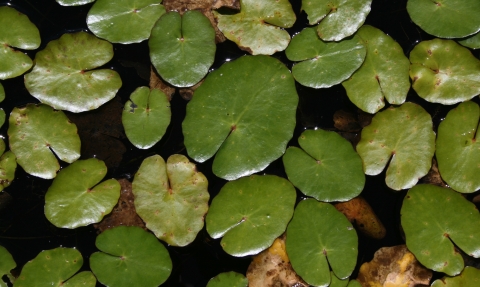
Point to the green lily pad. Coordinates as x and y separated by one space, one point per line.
436 218
6 264
250 212
2 93
124 21
22 34
403 138
146 117
2 117
324 64
257 27
182 48
458 148
35 133
383 75
446 18
319 238
472 42
73 2
172 199
85 278
245 110
228 279
8 165
2 146
64 75
73 201
470 277
130 256
326 168
444 72
338 19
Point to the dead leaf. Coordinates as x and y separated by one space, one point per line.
157 83
345 121
187 93
433 176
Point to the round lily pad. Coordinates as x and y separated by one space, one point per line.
228 279
338 19
383 75
72 200
319 238
472 42
64 75
246 111
446 18
437 219
403 138
250 212
470 277
326 168
444 72
35 133
22 34
171 198
73 2
182 48
146 117
130 256
250 27
6 264
324 63
8 165
124 21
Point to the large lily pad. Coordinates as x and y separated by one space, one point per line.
338 19
470 277
130 256
35 133
250 212
228 279
63 76
326 168
146 117
8 165
383 75
245 110
6 264
444 72
172 199
403 138
182 48
124 21
257 27
472 42
73 2
74 199
436 218
319 238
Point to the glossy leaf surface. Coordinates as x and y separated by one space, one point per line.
73 2
228 279
470 277
472 42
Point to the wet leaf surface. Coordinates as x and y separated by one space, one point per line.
470 276
228 279
73 2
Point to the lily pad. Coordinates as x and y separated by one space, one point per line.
245 110
6 264
444 72
383 75
250 212
182 48
326 168
2 117
324 63
257 27
446 18
64 75
21 34
2 93
434 219
35 133
73 2
130 256
472 42
403 138
319 238
8 165
172 199
146 117
124 21
470 277
73 201
338 19
228 279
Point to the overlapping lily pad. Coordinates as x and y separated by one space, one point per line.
73 2
469 277
245 110
6 264
383 75
250 212
8 165
228 279
130 256
444 72
472 42
65 77
319 238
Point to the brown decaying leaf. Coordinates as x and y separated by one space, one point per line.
433 176
187 93
157 83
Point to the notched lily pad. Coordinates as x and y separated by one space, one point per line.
73 2
228 279
6 264
469 277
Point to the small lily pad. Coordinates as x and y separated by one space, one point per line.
130 256
2 93
73 2
472 42
326 168
470 277
436 218
6 264
319 238
182 48
228 279
124 21
250 212
403 138
35 133
64 75
8 165
444 72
